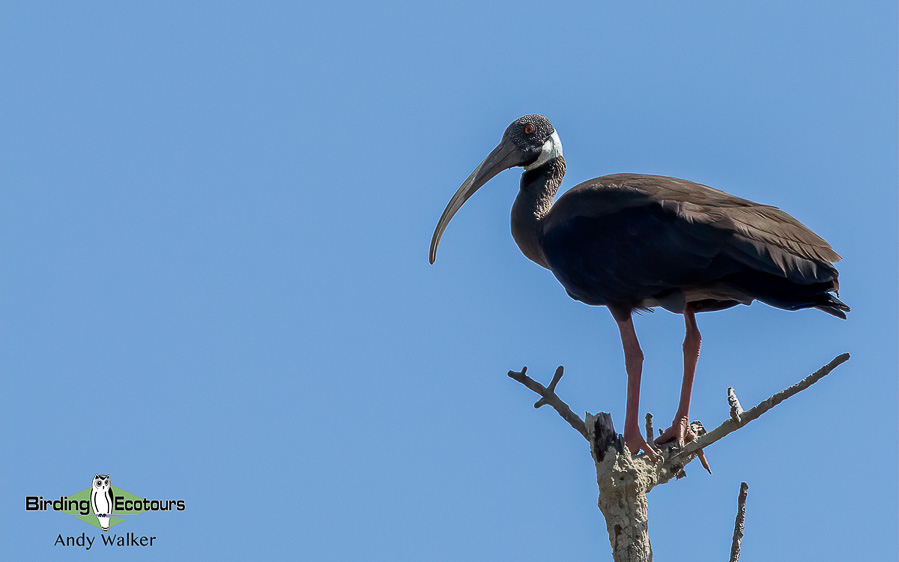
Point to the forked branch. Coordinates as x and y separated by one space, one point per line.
548 396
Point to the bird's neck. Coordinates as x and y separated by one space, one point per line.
535 198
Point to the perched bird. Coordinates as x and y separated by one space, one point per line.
632 242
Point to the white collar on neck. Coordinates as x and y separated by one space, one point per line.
552 148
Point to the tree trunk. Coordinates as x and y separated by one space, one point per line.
623 484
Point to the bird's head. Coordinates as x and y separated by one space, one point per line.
530 142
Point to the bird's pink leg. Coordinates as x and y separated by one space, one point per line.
692 341
633 362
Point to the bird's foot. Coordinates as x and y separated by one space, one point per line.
679 432
636 443
682 432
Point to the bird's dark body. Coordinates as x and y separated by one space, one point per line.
635 241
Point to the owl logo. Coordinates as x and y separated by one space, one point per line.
102 499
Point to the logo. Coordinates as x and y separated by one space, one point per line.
103 506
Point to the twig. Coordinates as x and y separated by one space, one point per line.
736 411
698 430
730 425
548 396
649 436
738 524
557 376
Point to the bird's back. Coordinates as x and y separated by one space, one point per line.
637 240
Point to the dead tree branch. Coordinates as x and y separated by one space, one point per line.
730 426
625 479
736 410
738 524
548 396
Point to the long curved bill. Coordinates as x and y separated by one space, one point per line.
503 157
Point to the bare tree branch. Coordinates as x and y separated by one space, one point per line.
730 425
738 524
548 396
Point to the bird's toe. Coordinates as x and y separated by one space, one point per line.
679 432
636 443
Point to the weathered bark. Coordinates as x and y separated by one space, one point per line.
623 484
625 479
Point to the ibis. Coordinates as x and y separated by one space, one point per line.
632 242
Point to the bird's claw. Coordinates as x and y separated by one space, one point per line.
636 443
682 432
679 433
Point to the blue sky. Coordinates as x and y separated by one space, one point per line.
214 222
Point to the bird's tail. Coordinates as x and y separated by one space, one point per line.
833 305
783 293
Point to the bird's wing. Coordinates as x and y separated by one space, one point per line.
760 236
609 246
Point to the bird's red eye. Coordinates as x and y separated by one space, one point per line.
528 129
